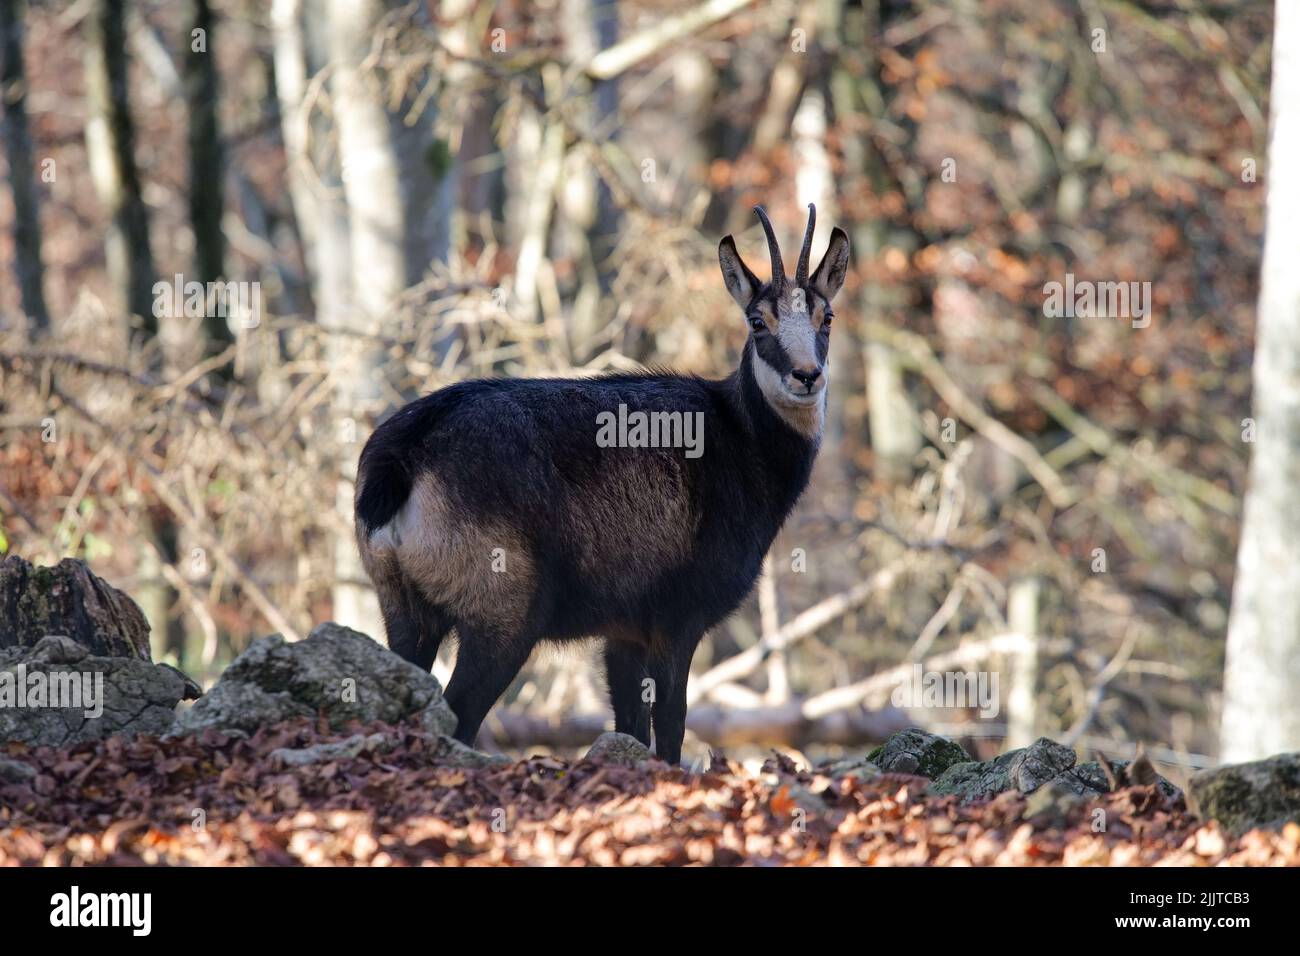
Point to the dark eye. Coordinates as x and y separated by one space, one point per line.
757 324
826 319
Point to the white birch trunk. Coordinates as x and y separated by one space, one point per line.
1261 708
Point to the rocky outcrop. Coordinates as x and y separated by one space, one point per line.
918 752
74 659
618 748
337 673
1264 794
57 693
1025 770
68 600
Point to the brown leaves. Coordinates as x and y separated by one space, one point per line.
219 800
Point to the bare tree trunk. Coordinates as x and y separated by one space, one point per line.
895 435
18 151
590 214
1261 710
316 188
399 207
207 201
315 180
110 149
1022 695
535 184
110 140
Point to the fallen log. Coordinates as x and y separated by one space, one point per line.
780 725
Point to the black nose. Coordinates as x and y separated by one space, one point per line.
807 378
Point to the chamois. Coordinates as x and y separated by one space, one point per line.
491 507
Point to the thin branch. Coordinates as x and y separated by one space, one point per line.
626 54
804 625
917 353
853 694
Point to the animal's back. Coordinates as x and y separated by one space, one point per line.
514 511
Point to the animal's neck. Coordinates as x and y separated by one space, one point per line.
784 449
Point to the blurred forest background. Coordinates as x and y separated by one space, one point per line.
417 193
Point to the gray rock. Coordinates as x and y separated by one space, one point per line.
97 696
354 746
974 779
446 752
1090 778
618 748
451 752
15 771
1025 769
916 751
1264 794
1042 764
1041 761
68 599
336 671
859 767
1051 804
234 706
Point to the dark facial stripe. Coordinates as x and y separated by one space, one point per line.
770 351
768 346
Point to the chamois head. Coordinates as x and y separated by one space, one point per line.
789 318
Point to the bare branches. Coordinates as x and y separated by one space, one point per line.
963 656
731 726
608 64
804 625
917 352
1160 473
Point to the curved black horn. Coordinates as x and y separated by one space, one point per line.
778 267
801 270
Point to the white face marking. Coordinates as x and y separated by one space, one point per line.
797 336
805 415
805 412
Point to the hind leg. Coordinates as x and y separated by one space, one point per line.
625 671
670 667
485 666
415 627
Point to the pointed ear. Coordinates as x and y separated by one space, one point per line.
834 265
741 283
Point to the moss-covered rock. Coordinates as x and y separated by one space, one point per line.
1263 794
1025 769
918 752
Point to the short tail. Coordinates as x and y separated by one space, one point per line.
391 460
385 486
